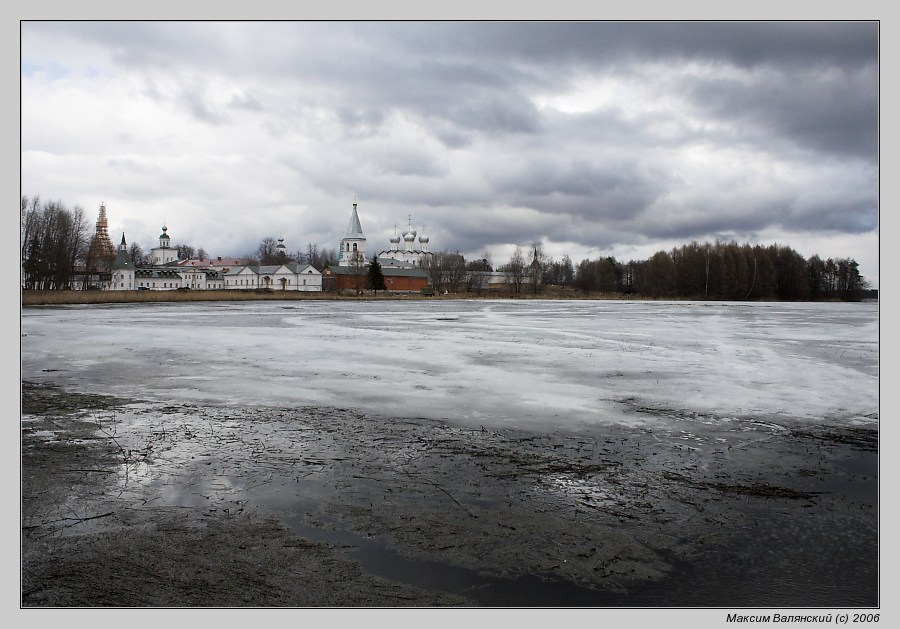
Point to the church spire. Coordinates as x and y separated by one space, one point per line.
354 230
353 245
123 260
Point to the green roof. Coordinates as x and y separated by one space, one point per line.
123 260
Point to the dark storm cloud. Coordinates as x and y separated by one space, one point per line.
685 222
476 76
814 81
833 213
494 114
602 191
830 110
593 44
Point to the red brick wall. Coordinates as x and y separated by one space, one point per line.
332 281
405 283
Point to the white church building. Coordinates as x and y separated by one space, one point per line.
410 255
353 246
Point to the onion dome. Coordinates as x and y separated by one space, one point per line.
164 235
410 235
423 238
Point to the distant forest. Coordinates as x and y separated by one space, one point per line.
56 248
728 271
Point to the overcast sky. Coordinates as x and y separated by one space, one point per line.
610 138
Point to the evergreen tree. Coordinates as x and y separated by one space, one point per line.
375 276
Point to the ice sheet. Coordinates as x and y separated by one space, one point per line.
491 363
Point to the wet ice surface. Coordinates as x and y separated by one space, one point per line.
547 453
496 363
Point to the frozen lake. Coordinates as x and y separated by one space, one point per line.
635 453
559 364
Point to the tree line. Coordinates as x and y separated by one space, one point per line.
54 239
727 271
57 250
720 271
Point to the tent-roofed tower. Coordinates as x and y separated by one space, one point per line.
122 269
353 244
101 252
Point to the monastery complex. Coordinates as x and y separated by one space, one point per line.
402 267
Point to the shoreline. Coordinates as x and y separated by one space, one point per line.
32 298
394 512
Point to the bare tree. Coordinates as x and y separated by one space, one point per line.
327 257
312 253
56 240
319 257
515 271
446 271
136 253
186 252
30 219
486 260
560 273
266 252
435 271
358 271
455 271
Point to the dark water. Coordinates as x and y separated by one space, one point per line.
781 556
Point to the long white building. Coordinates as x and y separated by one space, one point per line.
168 273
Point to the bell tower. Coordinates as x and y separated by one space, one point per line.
353 245
102 252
